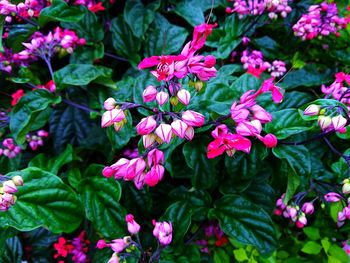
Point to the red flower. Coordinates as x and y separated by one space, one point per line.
16 96
96 7
63 249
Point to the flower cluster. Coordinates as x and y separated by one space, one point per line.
254 62
339 89
213 235
77 248
10 150
35 140
44 46
7 190
26 9
258 7
248 117
329 118
162 231
321 20
137 170
293 212
93 6
161 126
335 197
169 67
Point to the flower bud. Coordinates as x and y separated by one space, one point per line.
164 132
189 133
198 85
149 94
118 245
184 96
148 140
332 197
133 226
108 172
112 116
261 114
270 140
9 187
301 222
308 208
101 244
338 122
146 125
312 110
109 104
134 168
179 128
346 188
155 157
18 180
174 100
324 122
162 97
193 118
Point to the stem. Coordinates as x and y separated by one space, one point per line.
79 106
48 63
319 136
218 120
116 57
33 23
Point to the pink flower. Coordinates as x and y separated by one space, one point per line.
120 168
101 244
109 104
164 132
229 143
189 133
324 122
135 167
301 222
338 122
163 231
9 187
312 110
149 94
247 128
259 113
118 245
200 34
308 208
219 131
154 175
238 112
108 172
269 140
155 157
184 96
332 197
146 125
112 116
133 227
193 118
179 128
162 97
148 140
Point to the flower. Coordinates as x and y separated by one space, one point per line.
17 96
163 231
146 125
133 227
193 118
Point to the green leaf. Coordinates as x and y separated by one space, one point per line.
88 27
87 54
26 111
246 222
74 177
124 42
2 21
286 123
336 207
179 214
120 139
191 11
240 254
204 171
310 76
311 247
100 197
13 251
80 74
18 34
292 185
164 38
221 256
43 200
54 164
60 11
298 157
325 244
338 253
138 16
312 232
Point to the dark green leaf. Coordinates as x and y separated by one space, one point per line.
43 200
246 222
26 111
59 10
100 197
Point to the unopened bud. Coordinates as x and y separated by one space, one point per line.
198 85
174 100
324 122
18 180
312 110
346 188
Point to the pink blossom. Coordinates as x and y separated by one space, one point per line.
179 128
133 226
146 125
109 104
162 97
308 208
155 157
193 118
219 131
163 232
149 94
312 110
135 167
184 96
269 140
164 132
332 197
